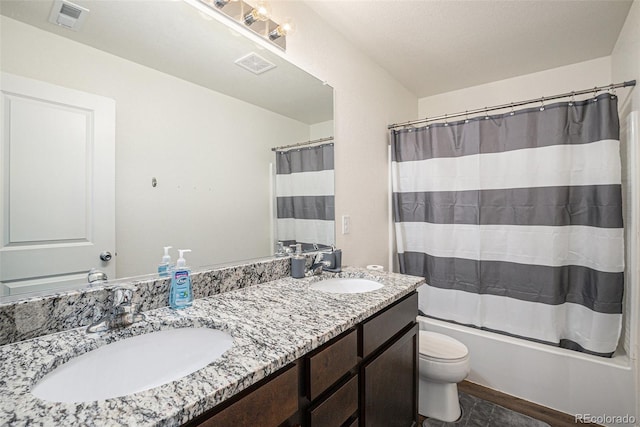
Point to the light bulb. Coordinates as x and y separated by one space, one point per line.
286 28
262 12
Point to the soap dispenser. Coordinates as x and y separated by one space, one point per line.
180 293
298 262
164 268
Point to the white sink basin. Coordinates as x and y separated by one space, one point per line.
133 365
346 286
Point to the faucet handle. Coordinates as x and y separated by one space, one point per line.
130 308
123 294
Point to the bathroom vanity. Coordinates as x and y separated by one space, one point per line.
365 376
299 357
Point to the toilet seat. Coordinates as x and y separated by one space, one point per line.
441 348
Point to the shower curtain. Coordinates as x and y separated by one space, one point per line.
515 221
305 197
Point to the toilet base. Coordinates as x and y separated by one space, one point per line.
439 401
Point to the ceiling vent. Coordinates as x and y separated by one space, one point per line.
255 63
68 15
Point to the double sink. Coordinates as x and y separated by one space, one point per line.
150 360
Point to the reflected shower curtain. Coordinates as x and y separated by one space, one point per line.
515 221
305 196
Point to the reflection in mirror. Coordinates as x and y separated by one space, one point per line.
305 196
189 132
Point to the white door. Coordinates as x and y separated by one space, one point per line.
57 181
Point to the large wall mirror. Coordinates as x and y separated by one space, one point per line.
193 133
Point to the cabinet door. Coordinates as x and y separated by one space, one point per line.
390 384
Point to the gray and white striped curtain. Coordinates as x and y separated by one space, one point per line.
305 196
515 221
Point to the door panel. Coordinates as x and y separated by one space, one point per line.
57 151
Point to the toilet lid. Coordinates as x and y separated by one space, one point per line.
440 346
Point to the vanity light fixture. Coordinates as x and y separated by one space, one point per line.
287 27
262 12
221 3
252 17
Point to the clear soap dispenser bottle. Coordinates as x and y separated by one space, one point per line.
164 268
180 293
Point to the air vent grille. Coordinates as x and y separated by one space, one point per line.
255 63
68 15
70 11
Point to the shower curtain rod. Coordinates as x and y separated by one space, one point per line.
315 141
515 104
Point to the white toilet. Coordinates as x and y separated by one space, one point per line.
444 362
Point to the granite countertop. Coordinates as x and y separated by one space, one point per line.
272 324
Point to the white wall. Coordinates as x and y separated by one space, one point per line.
321 130
366 100
625 65
549 82
210 171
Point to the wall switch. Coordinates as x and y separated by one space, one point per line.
346 224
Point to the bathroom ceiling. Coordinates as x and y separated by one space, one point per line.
435 46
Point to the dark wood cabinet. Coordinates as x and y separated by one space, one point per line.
270 403
381 327
336 409
330 363
388 371
367 376
390 385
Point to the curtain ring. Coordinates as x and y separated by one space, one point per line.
512 112
466 116
446 123
486 113
542 104
595 94
573 99
612 91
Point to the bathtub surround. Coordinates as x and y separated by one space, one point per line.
305 205
37 316
273 324
559 378
515 221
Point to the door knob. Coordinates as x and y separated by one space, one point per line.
105 256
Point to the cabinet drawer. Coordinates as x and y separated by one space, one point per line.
338 407
269 405
331 363
379 329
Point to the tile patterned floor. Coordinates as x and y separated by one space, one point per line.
480 413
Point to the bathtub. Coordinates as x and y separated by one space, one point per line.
565 380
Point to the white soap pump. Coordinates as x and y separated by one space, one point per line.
164 268
181 261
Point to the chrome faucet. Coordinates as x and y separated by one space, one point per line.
281 251
96 276
123 312
318 264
